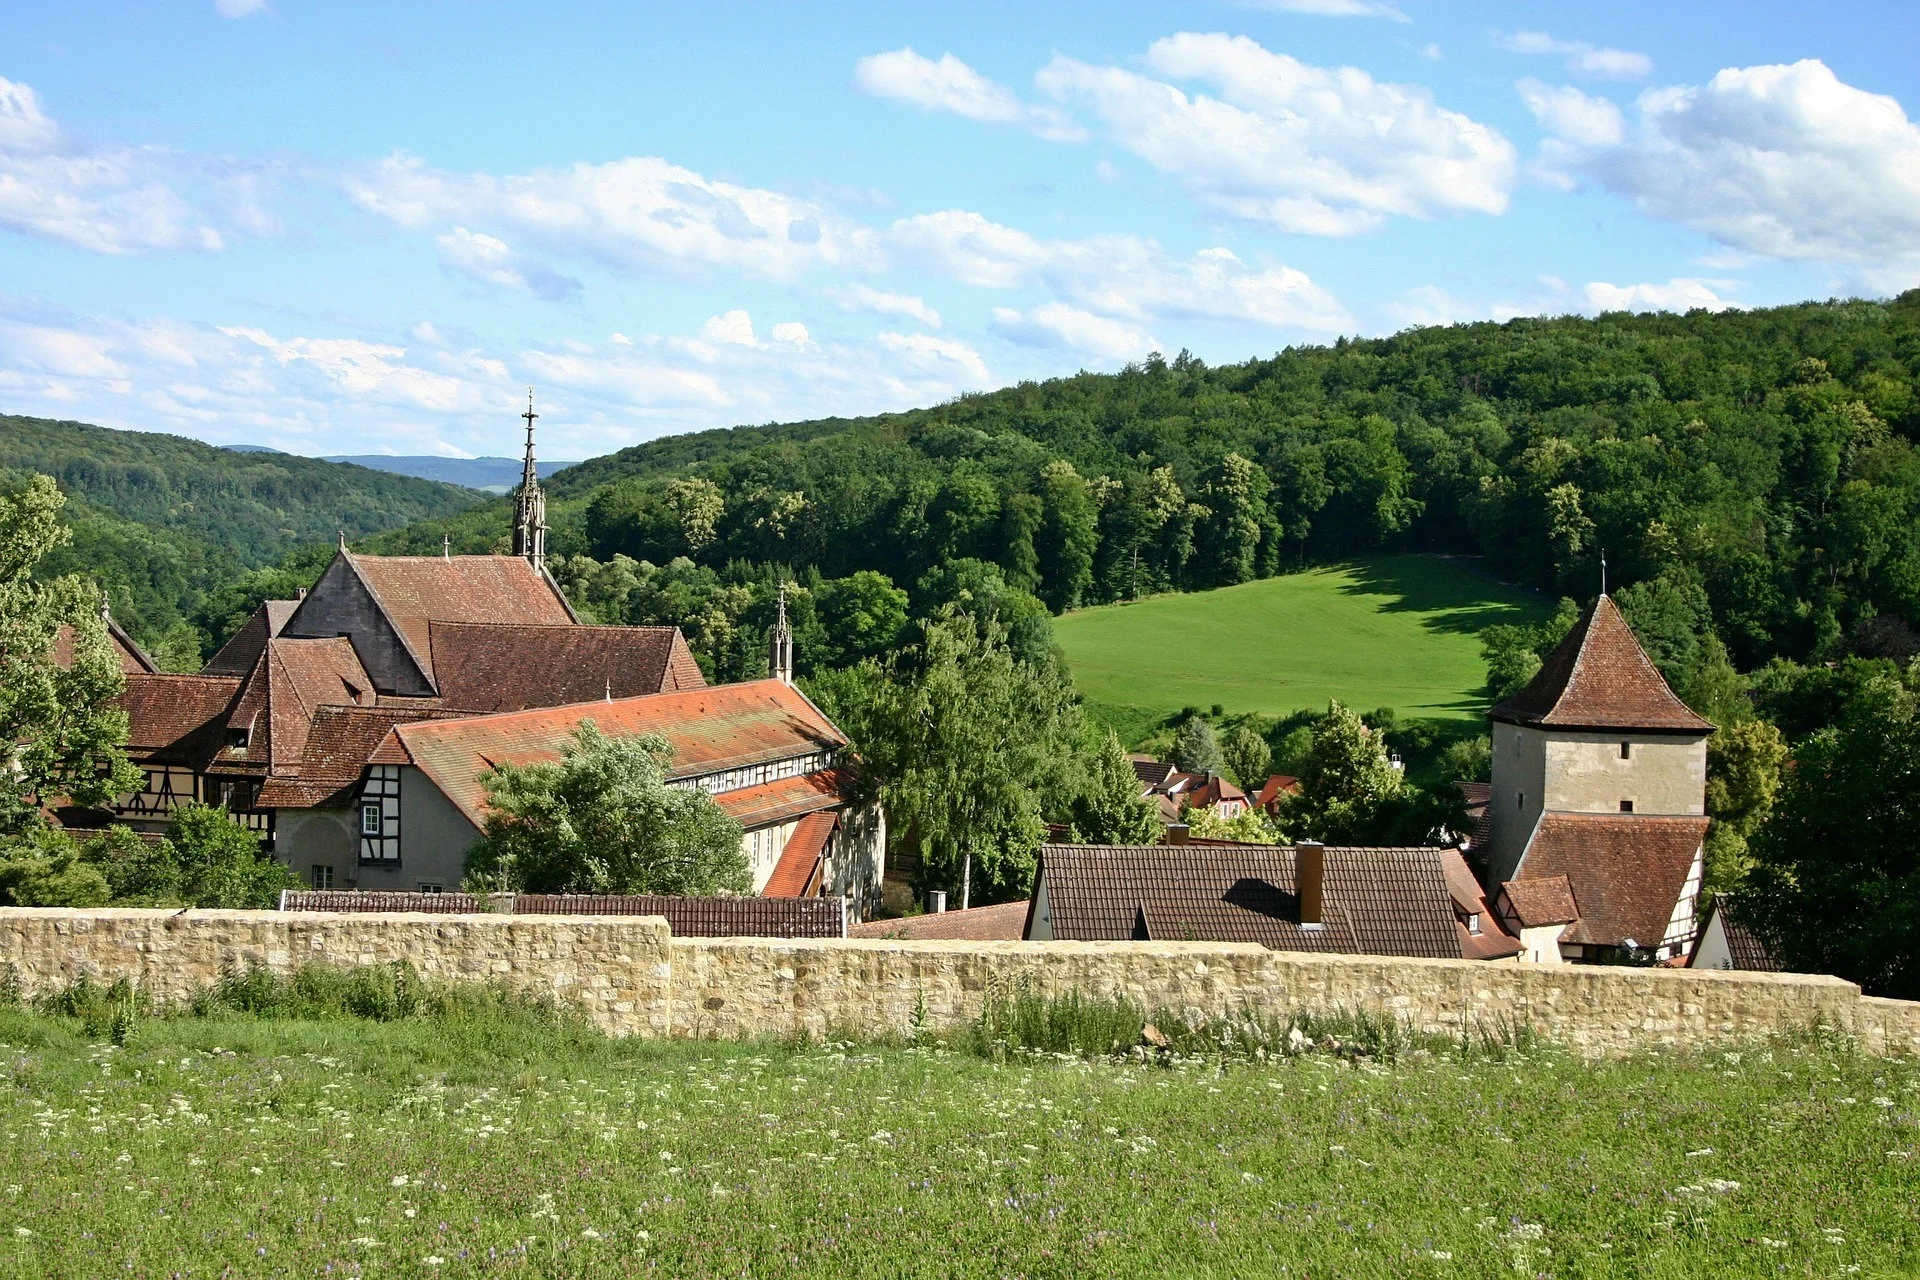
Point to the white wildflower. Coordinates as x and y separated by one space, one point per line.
590 1234
434 1260
412 1212
22 1232
399 1180
1704 1151
1771 1243
1527 1231
1440 1255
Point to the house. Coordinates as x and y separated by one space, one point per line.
1599 777
1305 897
1269 795
1173 792
1726 942
415 803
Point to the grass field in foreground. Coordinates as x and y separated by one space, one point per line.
227 1146
1396 631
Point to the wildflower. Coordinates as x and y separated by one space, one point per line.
1440 1255
255 1170
1704 1151
434 1260
589 1234
412 1212
1526 1231
1771 1243
399 1180
1883 1102
1722 1186
22 1232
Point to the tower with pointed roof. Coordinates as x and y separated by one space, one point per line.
530 519
780 644
1599 774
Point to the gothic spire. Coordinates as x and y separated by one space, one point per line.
780 644
530 523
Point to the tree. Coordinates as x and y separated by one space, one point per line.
1468 760
1236 501
219 863
698 504
1744 763
863 615
970 748
601 819
1836 883
61 720
1247 757
44 869
1110 808
1196 749
1066 537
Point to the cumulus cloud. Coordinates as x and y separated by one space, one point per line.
1057 325
636 212
1786 162
951 85
862 297
734 328
1582 58
487 259
1280 142
1572 116
1334 8
114 200
1675 295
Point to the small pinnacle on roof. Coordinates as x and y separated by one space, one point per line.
446 546
343 539
1603 573
106 606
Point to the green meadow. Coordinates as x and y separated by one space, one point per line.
1393 631
241 1146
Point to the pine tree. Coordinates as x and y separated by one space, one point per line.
1196 749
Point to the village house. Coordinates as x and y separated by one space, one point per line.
1593 838
1174 792
282 725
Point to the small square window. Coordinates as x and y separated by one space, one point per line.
1626 751
369 819
433 888
322 877
1626 806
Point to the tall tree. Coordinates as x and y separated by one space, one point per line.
601 819
1196 748
1247 756
61 719
1110 808
1067 536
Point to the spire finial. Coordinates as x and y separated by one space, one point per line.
106 606
780 644
1603 572
609 687
343 539
530 526
446 547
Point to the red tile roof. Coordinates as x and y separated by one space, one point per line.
1745 948
797 874
416 591
242 649
1003 922
1270 791
176 719
1600 678
1626 870
337 748
713 729
290 682
787 799
496 666
133 659
1377 901
1534 904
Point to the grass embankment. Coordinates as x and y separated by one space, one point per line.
1395 631
493 1141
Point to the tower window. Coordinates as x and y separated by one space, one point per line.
1626 806
1626 751
1520 800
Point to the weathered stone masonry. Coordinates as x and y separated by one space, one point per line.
631 977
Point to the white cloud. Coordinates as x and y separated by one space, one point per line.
733 327
641 211
948 358
1582 58
951 85
1784 162
23 126
239 8
1306 149
1334 8
791 331
1675 295
861 297
484 258
1571 115
1058 325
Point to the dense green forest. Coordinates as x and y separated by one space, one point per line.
168 525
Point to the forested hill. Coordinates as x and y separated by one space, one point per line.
169 525
1755 470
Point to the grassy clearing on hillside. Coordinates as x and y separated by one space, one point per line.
488 1144
1396 631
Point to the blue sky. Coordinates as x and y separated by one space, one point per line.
339 228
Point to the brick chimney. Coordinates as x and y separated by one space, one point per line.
1176 833
1310 875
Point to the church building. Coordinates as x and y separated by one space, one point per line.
1593 841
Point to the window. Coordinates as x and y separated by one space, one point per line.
1626 806
1473 923
370 819
1626 751
432 888
322 877
1520 800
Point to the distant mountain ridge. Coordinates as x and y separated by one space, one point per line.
491 475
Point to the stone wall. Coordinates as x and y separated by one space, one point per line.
632 978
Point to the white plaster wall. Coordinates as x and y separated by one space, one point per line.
305 838
1519 780
1585 774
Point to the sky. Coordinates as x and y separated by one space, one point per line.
370 228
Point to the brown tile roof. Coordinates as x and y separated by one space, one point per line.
1475 795
498 666
1212 789
337 747
1533 904
1270 791
1600 678
1003 922
1745 948
416 591
687 917
789 798
242 649
797 874
290 682
1626 870
1152 773
133 659
1376 901
712 729
176 719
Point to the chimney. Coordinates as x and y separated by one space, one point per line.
1177 833
936 902
1309 877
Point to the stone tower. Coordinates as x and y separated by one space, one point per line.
530 522
1597 731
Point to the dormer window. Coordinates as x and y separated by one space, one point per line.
237 739
1473 923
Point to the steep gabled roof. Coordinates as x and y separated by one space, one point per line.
1746 950
1534 904
489 667
416 591
335 756
712 729
243 647
176 719
1626 871
291 680
798 873
1600 678
1002 922
1376 901
133 659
